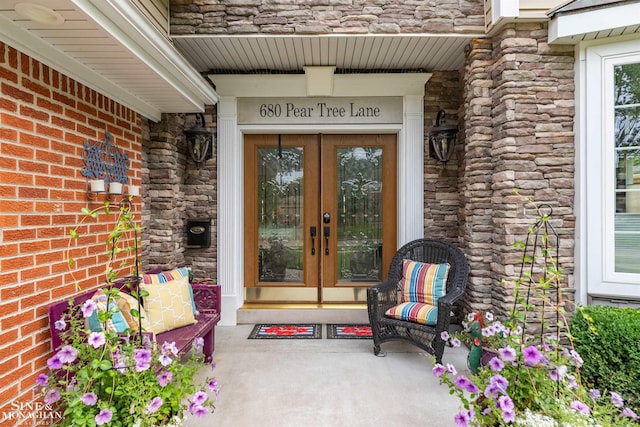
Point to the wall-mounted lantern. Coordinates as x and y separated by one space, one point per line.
442 139
199 139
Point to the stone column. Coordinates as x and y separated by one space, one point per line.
477 171
532 148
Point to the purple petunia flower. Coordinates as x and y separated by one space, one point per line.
213 364
104 417
67 354
142 357
499 382
455 342
616 400
505 404
463 383
507 354
532 355
576 357
199 342
199 398
164 359
154 405
594 393
54 362
438 370
199 411
462 419
489 316
96 339
60 325
89 399
51 396
451 369
509 416
213 383
42 380
496 364
444 335
165 378
580 407
88 308
170 347
627 412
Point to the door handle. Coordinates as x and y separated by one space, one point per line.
327 231
312 232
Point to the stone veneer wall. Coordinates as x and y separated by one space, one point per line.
326 16
441 180
176 190
519 121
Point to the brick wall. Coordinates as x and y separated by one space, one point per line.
45 118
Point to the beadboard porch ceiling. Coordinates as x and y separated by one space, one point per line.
392 52
109 46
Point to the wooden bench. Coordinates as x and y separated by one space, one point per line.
207 299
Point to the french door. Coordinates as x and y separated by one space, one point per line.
320 216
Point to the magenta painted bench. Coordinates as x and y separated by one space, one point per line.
207 299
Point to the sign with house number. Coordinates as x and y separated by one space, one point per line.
342 110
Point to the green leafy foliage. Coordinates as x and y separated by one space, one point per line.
608 339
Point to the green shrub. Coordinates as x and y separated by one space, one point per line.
608 339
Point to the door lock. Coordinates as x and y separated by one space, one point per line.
326 217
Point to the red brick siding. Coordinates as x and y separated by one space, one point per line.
45 117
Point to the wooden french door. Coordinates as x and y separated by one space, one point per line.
320 216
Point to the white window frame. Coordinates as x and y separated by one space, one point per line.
597 169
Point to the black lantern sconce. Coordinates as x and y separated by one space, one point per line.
199 140
442 139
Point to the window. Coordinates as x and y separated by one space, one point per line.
626 138
610 162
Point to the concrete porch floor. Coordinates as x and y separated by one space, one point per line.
325 383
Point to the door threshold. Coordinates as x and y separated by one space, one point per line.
251 313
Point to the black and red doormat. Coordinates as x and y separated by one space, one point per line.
347 331
286 331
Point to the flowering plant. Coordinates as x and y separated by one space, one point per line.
528 382
106 378
532 376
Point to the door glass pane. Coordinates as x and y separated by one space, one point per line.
627 168
280 208
359 193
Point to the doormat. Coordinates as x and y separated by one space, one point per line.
349 331
286 331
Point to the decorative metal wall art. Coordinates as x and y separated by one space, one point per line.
106 168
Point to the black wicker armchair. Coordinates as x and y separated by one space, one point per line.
383 296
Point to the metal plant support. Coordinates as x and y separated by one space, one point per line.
538 285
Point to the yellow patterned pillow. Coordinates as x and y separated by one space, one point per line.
168 306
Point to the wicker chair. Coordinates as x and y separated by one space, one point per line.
383 296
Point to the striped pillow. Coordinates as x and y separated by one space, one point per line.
416 312
168 276
422 282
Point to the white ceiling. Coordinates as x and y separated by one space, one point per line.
351 52
111 47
